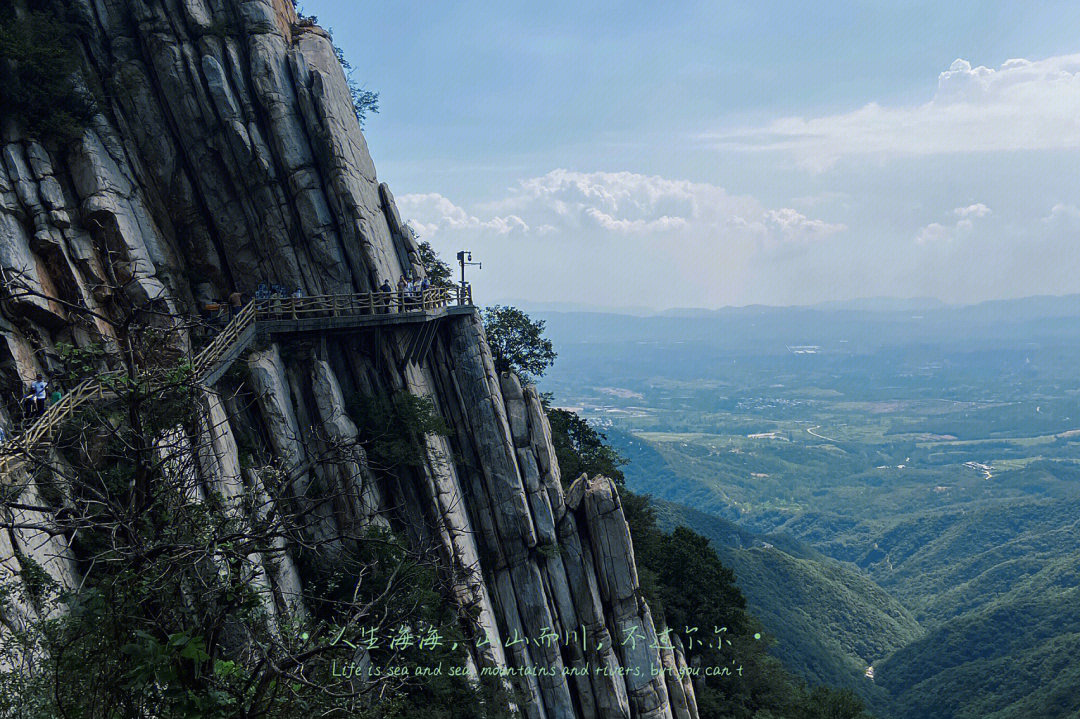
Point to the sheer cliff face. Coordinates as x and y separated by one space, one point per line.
226 153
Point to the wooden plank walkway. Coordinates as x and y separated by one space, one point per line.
261 319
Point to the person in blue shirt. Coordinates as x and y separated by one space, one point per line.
424 287
37 392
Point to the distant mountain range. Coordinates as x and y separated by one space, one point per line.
1036 305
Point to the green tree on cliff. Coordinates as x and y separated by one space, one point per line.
365 102
581 448
518 341
439 273
39 59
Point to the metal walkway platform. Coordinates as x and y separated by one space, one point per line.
263 319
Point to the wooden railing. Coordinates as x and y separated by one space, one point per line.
259 310
365 303
210 354
44 426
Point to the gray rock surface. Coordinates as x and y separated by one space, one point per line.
229 155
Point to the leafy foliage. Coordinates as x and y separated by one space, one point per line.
39 57
581 448
830 620
391 428
173 618
998 587
365 102
79 363
518 341
685 583
437 271
826 703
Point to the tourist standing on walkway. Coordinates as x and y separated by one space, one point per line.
37 389
402 285
277 293
236 303
388 292
425 285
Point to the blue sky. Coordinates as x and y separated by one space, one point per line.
708 154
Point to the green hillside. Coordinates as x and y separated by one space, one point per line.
995 587
1013 658
830 621
999 588
946 565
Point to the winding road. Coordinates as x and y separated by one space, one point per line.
820 436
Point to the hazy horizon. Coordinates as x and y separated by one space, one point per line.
872 303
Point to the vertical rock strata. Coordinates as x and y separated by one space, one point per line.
226 153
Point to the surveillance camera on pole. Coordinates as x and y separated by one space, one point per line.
464 258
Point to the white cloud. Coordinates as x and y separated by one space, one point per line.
617 204
624 238
936 232
795 225
970 213
976 210
431 212
615 224
1063 215
1022 105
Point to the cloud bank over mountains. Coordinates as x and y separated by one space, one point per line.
1021 105
619 204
